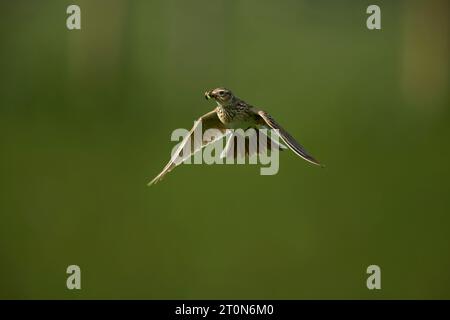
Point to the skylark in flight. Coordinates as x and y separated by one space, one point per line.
231 113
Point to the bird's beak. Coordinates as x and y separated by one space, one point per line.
208 95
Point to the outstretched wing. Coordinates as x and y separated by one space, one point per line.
266 119
184 151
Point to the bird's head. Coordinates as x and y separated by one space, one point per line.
223 96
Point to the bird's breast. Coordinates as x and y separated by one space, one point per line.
234 117
226 116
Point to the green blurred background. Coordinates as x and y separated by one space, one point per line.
85 123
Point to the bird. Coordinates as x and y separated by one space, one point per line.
231 112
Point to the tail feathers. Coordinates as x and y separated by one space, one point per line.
257 143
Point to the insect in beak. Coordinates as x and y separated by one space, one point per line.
208 95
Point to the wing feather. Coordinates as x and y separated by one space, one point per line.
286 137
208 121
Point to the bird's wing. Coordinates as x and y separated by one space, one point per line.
208 121
266 119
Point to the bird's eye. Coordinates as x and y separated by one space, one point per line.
221 93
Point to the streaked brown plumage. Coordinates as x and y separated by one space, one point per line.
230 113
